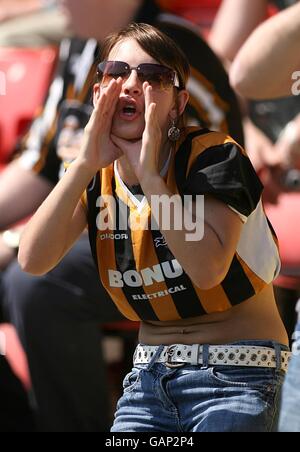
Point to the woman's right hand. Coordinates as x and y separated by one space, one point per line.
97 150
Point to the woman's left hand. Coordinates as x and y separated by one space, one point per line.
143 155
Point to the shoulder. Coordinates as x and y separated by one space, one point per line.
196 142
205 138
212 163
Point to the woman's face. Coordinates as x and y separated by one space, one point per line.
130 125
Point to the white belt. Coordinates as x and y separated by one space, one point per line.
178 355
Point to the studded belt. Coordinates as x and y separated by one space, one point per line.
178 355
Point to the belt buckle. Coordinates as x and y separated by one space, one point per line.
170 353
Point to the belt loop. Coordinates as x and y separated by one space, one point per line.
154 358
205 355
277 349
195 354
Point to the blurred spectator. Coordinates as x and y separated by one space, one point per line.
267 139
268 65
265 65
57 316
243 17
9 9
31 23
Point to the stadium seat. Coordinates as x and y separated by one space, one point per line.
25 75
201 12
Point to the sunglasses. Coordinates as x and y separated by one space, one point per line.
157 75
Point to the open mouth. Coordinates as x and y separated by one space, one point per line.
129 110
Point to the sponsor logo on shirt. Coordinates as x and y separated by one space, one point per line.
146 277
163 293
160 241
113 236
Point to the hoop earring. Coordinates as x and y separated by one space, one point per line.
174 132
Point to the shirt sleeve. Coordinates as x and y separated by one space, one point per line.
224 172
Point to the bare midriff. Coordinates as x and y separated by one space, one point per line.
255 319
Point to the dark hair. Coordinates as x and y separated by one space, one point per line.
157 44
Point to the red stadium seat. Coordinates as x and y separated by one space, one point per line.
25 75
201 12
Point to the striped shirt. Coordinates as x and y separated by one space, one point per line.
138 270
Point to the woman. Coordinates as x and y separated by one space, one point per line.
212 346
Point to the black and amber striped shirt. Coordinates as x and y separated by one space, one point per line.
140 273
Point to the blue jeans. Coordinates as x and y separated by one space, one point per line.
290 411
200 398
